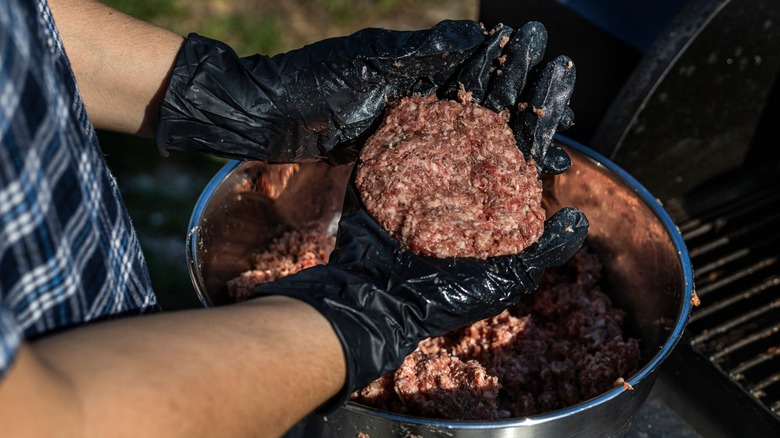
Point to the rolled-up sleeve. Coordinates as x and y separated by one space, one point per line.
68 252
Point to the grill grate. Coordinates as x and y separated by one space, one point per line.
734 252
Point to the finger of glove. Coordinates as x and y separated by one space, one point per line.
408 54
546 104
373 56
475 74
563 235
520 55
567 119
556 160
470 289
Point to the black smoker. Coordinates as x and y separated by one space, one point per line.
695 119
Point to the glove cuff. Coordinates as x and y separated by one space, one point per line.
216 103
170 112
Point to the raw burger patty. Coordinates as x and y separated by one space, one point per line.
446 179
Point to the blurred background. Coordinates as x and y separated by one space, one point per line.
161 192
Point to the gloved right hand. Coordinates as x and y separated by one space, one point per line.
382 299
502 76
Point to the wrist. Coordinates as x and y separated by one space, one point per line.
364 317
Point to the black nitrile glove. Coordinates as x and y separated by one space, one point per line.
498 76
322 101
382 299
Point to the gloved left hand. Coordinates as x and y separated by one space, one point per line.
322 101
313 103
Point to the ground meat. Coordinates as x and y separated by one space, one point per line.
561 345
437 385
382 392
446 179
287 254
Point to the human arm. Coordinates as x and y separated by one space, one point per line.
252 369
121 64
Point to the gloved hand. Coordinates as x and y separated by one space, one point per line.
382 299
322 101
502 76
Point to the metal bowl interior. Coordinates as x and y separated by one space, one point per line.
647 273
247 204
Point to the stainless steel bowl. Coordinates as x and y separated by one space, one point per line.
647 270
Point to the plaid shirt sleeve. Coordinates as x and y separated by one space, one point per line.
68 252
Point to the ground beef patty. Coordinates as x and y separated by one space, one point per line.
446 179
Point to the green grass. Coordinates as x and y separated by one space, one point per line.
245 34
341 11
148 10
346 12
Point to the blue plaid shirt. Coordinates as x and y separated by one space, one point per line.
68 252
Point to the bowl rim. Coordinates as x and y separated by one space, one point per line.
193 228
650 367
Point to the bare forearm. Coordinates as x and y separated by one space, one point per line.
121 64
249 370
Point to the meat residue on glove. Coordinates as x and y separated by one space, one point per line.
447 179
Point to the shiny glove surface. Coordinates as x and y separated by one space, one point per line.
322 101
382 299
